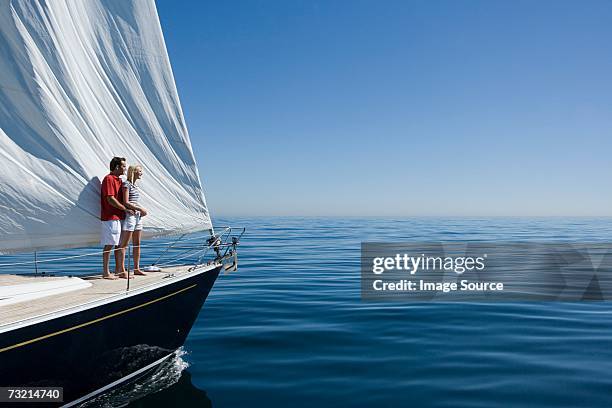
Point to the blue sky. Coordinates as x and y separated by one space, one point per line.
397 107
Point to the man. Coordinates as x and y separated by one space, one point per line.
112 212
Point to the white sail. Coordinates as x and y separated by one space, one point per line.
82 81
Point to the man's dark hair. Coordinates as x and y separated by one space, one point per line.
116 161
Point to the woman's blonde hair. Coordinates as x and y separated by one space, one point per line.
131 170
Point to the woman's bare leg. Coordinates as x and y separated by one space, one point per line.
120 265
136 242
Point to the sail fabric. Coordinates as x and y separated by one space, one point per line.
82 81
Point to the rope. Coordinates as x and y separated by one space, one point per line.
178 259
35 262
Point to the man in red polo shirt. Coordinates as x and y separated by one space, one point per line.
112 212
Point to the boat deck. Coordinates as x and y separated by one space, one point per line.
99 290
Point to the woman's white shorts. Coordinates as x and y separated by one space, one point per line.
110 232
132 222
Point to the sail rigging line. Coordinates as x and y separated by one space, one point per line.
186 251
181 258
97 253
226 230
166 250
218 238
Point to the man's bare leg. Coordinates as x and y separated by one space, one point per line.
105 259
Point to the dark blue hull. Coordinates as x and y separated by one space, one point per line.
88 350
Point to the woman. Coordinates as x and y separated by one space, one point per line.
132 224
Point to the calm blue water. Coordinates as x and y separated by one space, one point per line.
289 328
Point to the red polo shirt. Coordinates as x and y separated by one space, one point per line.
111 186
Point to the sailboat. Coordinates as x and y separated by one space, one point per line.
80 83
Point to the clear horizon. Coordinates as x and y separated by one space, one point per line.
397 109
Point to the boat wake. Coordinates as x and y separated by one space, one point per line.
167 374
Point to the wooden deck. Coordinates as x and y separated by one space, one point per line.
100 289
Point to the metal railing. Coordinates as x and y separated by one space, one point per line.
191 250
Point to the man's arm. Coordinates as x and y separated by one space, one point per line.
115 203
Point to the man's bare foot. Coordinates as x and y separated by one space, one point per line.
139 272
109 276
124 275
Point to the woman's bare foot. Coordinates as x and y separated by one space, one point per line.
109 276
124 275
139 272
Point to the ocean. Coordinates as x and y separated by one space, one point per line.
289 328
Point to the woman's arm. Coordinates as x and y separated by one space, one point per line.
126 200
126 195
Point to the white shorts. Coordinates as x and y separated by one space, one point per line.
132 222
110 232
